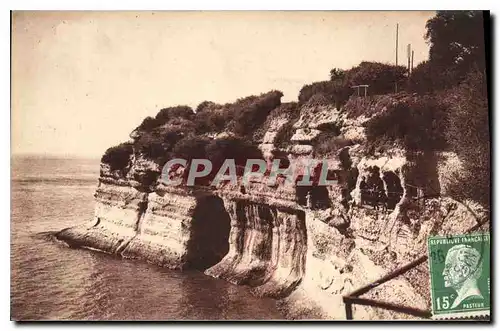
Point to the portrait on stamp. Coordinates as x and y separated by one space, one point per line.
462 270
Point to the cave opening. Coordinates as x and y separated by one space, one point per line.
372 189
209 241
394 189
314 197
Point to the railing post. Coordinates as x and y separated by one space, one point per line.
348 308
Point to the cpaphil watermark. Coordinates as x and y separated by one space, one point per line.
306 172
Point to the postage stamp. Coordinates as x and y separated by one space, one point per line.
459 268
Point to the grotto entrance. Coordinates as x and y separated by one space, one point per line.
314 197
209 241
381 191
394 189
372 189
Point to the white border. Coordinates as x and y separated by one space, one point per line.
183 5
251 5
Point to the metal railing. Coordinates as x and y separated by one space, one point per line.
353 298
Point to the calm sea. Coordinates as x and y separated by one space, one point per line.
52 282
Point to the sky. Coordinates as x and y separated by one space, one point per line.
82 81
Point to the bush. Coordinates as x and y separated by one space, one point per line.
284 135
333 92
118 157
307 91
428 77
243 117
158 144
166 114
380 77
179 115
289 110
249 117
211 121
191 148
206 105
469 136
418 125
329 143
148 124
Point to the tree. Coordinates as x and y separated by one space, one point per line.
337 74
456 41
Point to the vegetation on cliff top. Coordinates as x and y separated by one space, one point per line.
379 76
417 125
180 132
118 157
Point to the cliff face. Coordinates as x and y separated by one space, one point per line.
307 246
167 227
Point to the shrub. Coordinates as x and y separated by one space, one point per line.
337 74
191 148
249 117
243 117
211 121
289 110
469 136
380 77
118 157
418 125
206 105
157 145
148 124
332 92
284 135
429 77
179 115
328 143
166 114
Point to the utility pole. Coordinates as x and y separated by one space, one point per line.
397 33
408 55
412 53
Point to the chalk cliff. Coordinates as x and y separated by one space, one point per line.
307 246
